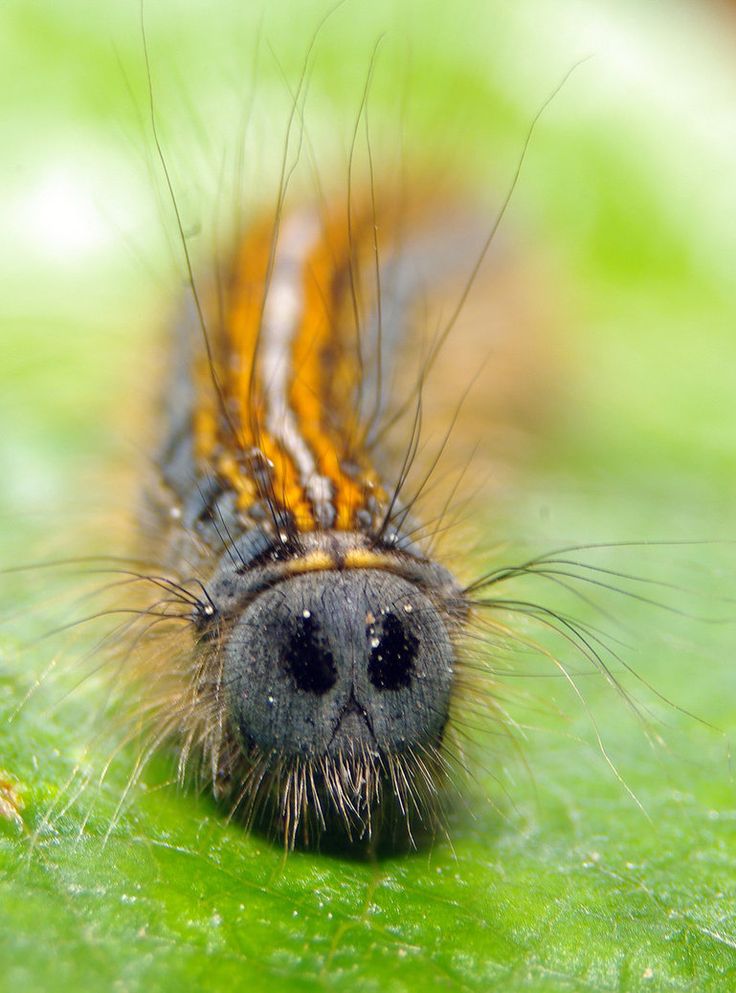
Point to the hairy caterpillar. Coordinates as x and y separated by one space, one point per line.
317 677
300 646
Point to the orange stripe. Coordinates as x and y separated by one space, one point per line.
324 364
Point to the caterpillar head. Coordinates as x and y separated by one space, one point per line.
337 680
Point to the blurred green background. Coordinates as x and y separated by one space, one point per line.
628 197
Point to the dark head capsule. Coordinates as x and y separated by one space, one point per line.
337 681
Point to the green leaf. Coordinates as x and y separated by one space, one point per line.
602 859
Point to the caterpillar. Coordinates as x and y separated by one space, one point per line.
318 678
324 639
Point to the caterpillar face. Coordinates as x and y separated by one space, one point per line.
344 671
335 662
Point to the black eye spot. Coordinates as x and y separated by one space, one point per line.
393 650
308 659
